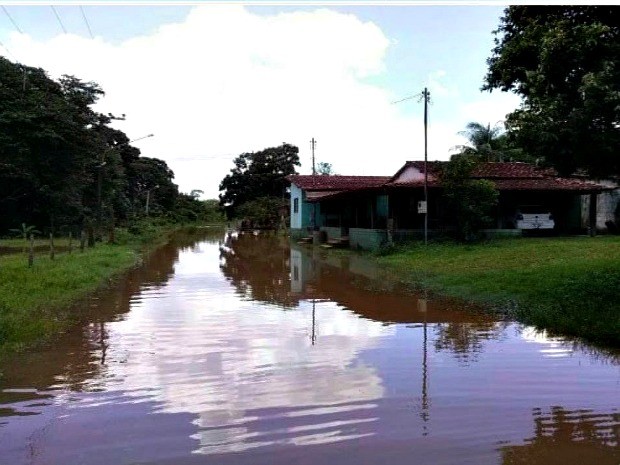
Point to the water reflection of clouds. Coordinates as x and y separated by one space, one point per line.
240 358
549 346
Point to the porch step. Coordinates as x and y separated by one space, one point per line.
339 242
305 240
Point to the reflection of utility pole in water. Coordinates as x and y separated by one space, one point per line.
424 411
102 343
313 336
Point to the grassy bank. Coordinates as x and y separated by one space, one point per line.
35 303
568 286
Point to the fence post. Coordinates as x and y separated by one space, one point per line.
82 240
70 242
52 254
91 235
31 252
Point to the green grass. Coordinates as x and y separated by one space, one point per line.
34 302
569 286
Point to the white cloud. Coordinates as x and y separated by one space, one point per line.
226 81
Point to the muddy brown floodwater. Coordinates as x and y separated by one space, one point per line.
247 350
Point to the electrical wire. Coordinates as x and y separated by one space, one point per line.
62 26
90 31
9 52
6 12
406 98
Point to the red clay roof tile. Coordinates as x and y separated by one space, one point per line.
505 175
336 182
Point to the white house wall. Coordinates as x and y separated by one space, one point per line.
296 193
410 174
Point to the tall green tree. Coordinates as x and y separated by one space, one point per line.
469 201
564 62
61 162
48 150
258 174
151 178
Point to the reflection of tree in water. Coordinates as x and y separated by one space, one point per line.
77 359
258 266
564 437
465 340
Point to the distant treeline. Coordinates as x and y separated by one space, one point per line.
63 167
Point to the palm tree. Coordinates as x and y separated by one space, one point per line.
486 143
25 231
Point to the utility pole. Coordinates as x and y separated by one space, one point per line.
426 96
314 226
313 144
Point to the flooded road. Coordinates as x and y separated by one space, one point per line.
245 350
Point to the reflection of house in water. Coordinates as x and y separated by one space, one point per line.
359 285
345 304
298 275
247 354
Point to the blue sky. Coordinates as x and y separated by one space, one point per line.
212 81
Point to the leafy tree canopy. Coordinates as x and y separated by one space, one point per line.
563 61
324 168
470 201
61 164
258 174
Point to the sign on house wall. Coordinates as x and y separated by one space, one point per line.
422 207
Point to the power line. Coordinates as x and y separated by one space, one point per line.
406 98
86 21
62 26
9 52
6 12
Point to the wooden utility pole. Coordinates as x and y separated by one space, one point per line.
313 144
426 96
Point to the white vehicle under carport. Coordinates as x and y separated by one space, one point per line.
533 217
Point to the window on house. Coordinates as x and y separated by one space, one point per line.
296 205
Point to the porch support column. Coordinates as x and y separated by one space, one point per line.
592 215
373 200
389 222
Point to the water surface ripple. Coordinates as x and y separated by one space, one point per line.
243 349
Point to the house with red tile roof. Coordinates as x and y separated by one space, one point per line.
373 210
